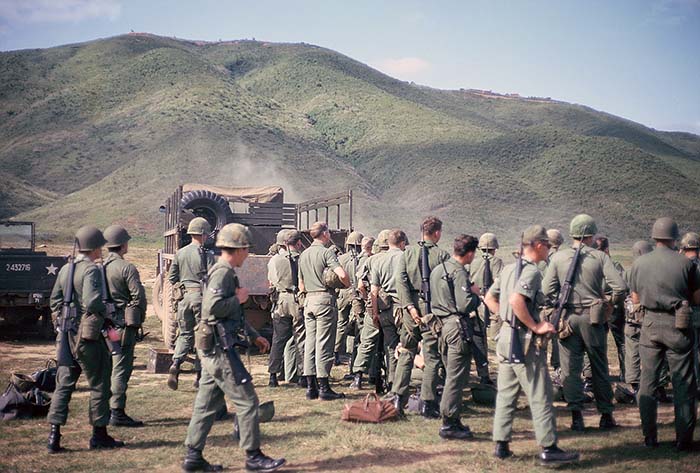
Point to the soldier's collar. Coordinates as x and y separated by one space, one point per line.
112 256
81 257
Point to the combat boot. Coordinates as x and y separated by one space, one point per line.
662 397
502 450
607 422
101 439
303 382
398 403
119 418
194 461
336 359
556 456
174 373
326 393
452 429
197 378
311 388
256 460
430 410
54 444
486 380
577 424
651 441
357 381
273 381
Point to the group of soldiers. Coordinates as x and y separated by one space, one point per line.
406 305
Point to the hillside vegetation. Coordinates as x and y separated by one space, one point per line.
103 131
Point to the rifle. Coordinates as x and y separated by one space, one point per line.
108 329
205 263
424 276
516 355
380 364
565 290
228 343
487 282
66 322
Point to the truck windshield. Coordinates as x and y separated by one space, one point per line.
15 236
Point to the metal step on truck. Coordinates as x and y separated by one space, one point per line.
264 211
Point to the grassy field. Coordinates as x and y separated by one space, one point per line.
309 434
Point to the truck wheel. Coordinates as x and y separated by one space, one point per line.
169 319
213 207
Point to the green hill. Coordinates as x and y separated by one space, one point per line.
103 131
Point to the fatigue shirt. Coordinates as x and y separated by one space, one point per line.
476 269
662 279
350 265
529 285
443 301
385 272
409 270
595 268
279 271
187 265
312 262
124 285
219 301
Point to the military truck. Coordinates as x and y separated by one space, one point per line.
27 277
264 211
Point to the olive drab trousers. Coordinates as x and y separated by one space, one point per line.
533 377
189 311
343 322
320 319
660 339
122 367
481 341
287 323
368 343
456 356
590 339
217 382
95 361
633 362
292 370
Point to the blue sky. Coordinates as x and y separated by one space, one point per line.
639 59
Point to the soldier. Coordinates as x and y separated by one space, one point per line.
666 284
222 310
454 297
585 319
87 344
349 261
488 244
188 270
413 330
124 285
690 247
521 300
556 240
359 303
287 319
320 312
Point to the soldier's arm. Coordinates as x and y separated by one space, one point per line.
334 265
526 290
174 273
466 300
550 282
92 291
404 292
614 279
56 299
136 289
215 302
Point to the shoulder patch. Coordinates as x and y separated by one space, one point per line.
524 285
214 290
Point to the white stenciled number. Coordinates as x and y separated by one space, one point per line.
18 267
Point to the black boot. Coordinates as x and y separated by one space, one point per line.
577 424
101 439
556 456
118 418
256 460
303 382
273 381
398 403
431 410
326 393
336 359
502 450
174 373
54 444
662 397
651 441
197 378
311 388
194 461
486 380
452 429
357 381
607 422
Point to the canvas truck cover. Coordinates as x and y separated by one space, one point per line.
264 194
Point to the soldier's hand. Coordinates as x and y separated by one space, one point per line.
415 315
543 328
262 344
242 294
476 290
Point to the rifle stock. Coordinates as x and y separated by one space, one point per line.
517 354
229 343
66 324
425 276
487 282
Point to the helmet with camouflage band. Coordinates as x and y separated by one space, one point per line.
198 226
582 226
234 235
665 228
89 238
690 241
488 241
116 235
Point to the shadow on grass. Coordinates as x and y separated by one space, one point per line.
169 421
387 457
631 452
154 444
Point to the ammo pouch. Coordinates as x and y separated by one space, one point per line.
433 323
91 327
683 314
384 301
331 280
132 316
274 295
204 337
301 299
178 293
357 307
600 311
634 313
398 317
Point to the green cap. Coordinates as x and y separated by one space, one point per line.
198 226
665 228
116 235
690 241
534 233
89 238
488 241
234 235
582 226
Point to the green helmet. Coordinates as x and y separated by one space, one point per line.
234 235
641 247
488 241
582 226
198 226
90 238
690 241
355 238
383 239
116 235
282 237
665 228
555 237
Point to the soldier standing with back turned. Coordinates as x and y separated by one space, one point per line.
349 261
690 247
125 288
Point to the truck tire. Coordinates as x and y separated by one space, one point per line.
169 318
213 207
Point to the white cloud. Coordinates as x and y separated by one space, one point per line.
57 11
404 68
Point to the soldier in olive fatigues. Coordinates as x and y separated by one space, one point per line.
690 247
413 330
556 240
349 261
222 305
320 312
125 288
287 318
454 297
588 333
86 341
518 303
665 283
359 302
188 269
488 244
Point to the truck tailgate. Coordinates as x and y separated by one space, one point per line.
22 274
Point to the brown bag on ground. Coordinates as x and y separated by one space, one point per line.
371 409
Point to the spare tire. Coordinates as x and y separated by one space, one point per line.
212 207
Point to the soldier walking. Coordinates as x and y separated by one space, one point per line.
125 289
666 283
